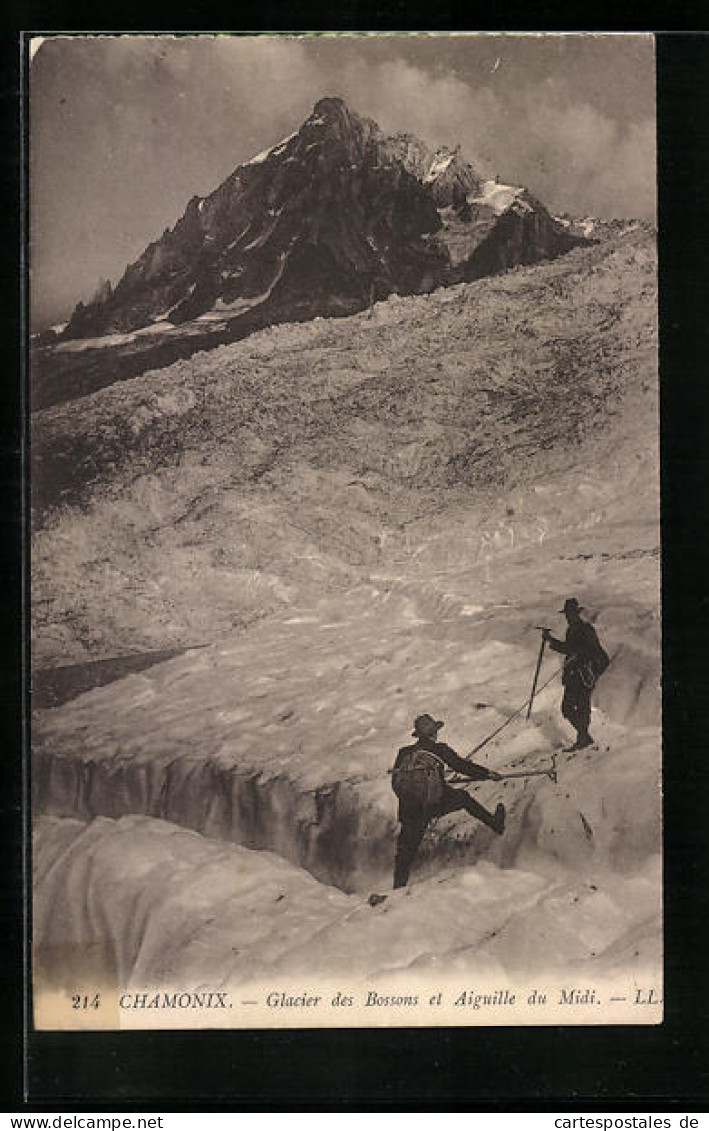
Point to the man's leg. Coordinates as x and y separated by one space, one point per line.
576 707
454 799
413 826
568 705
584 714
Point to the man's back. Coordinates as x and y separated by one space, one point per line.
445 755
581 640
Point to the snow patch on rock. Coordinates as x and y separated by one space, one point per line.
496 196
438 167
272 151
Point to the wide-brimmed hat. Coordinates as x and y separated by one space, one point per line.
571 604
425 726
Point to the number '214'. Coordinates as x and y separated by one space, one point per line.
84 1001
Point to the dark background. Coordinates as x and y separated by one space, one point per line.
596 1068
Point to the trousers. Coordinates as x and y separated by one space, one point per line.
576 704
415 819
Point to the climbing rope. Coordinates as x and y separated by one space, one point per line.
514 716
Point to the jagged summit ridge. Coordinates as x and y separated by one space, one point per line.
325 221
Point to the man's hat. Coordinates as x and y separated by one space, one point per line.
571 604
426 727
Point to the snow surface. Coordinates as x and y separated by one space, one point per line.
105 341
240 304
272 151
438 167
322 707
159 325
497 196
180 909
366 518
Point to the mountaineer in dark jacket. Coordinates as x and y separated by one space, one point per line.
419 783
585 661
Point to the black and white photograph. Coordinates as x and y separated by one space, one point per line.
345 531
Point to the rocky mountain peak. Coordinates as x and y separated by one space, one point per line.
336 114
103 291
329 219
334 127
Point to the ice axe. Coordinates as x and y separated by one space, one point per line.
540 628
549 773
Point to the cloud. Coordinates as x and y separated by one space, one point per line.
630 175
572 156
440 109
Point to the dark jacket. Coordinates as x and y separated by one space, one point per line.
447 756
582 649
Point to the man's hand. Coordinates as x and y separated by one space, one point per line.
546 634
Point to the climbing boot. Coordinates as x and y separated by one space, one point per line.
581 743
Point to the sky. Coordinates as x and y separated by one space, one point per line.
124 130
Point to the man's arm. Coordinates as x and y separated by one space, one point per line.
589 643
554 644
461 765
581 641
400 757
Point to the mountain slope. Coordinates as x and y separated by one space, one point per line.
415 446
357 520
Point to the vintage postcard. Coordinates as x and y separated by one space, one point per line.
345 531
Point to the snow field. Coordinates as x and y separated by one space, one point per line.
230 916
361 521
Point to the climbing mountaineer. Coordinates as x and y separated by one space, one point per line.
419 783
585 661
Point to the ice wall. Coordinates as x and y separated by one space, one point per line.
272 742
165 906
